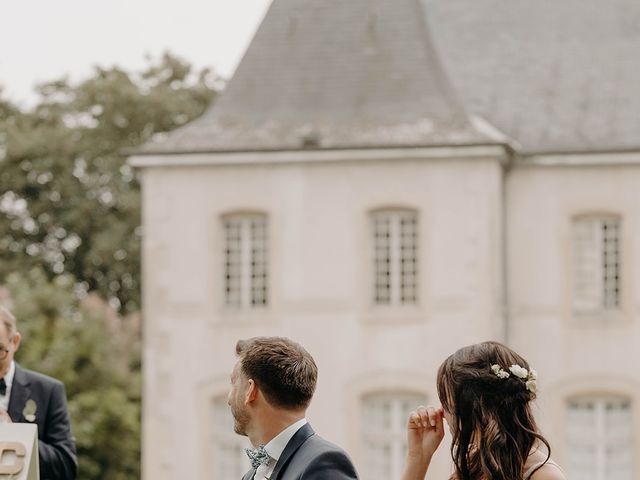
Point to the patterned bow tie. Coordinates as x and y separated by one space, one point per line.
258 456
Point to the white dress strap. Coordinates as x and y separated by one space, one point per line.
532 468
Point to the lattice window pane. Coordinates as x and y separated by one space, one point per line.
395 243
384 418
246 267
611 263
596 264
229 459
382 248
600 439
233 259
258 261
408 257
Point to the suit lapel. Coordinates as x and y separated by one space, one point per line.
19 394
294 444
249 475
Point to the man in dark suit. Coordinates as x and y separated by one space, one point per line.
30 397
271 387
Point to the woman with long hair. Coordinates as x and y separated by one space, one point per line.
486 392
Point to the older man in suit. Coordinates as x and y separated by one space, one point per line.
30 397
271 387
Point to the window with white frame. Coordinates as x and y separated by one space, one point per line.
384 420
596 264
229 458
600 435
245 257
395 249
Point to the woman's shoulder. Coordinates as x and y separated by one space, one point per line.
540 467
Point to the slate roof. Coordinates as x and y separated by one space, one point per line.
555 75
333 74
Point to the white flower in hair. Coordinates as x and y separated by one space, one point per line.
519 371
499 372
529 377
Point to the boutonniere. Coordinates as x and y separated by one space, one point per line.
29 412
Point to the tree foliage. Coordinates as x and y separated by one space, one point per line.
70 241
96 353
68 200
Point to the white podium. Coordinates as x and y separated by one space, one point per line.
19 452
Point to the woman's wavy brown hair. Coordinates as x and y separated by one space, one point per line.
493 426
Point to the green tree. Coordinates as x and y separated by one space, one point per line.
68 200
70 237
96 353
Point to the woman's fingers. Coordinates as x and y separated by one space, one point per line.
426 417
415 421
433 416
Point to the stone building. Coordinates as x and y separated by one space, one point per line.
386 181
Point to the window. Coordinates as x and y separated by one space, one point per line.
395 244
600 435
384 433
596 264
230 460
245 261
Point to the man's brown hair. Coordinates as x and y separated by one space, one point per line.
284 371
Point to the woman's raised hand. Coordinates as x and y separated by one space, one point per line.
425 431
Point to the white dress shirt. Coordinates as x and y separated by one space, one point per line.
275 448
8 379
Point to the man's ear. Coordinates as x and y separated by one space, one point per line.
16 341
252 392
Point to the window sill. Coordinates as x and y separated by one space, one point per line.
245 317
394 315
607 318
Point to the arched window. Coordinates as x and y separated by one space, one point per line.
596 263
245 260
395 256
600 436
384 437
229 458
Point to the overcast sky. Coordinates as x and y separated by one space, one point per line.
42 40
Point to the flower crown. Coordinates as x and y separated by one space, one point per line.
528 376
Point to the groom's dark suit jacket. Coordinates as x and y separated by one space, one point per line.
56 447
310 457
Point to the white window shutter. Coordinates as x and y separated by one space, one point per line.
588 261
